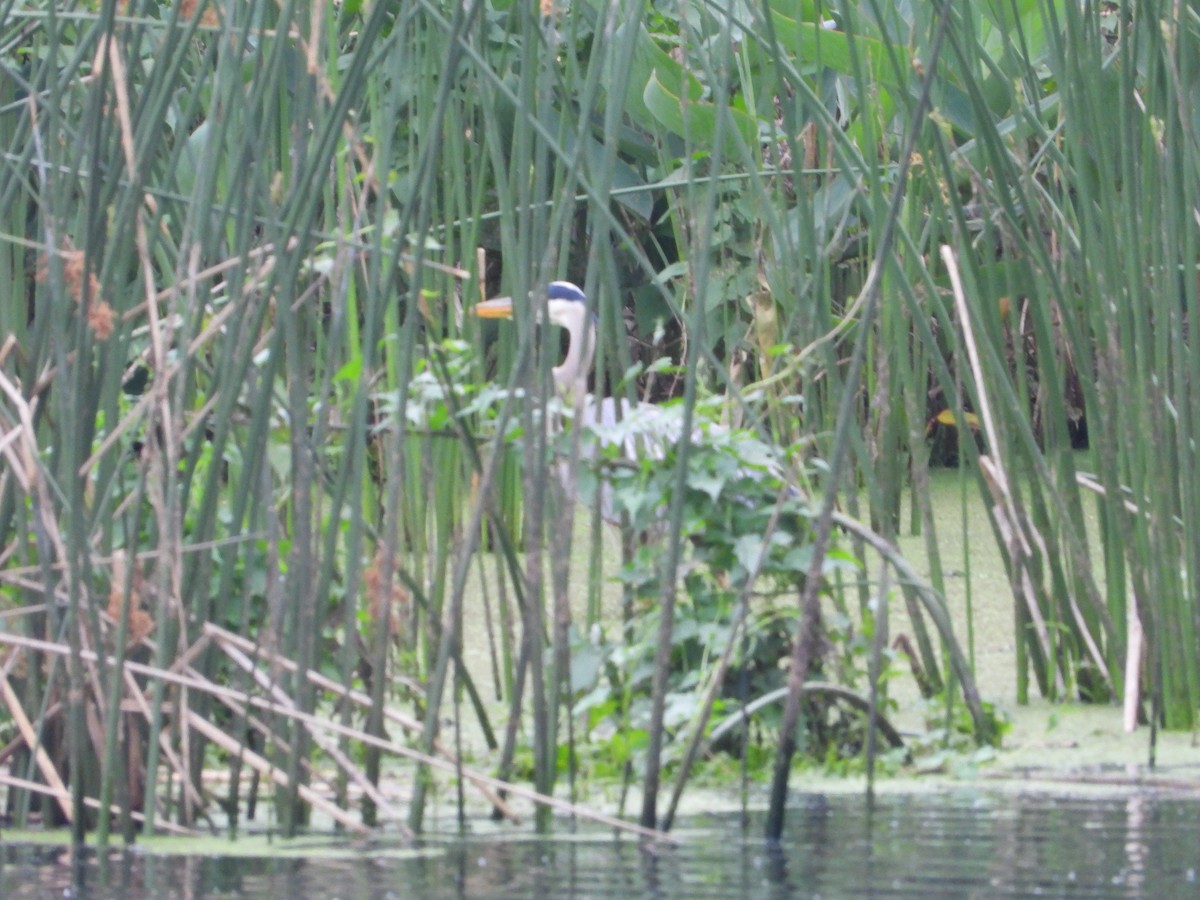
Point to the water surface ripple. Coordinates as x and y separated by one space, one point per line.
957 844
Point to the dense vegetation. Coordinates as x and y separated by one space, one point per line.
257 453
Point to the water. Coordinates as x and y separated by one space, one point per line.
960 844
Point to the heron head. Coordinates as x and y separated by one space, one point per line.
566 307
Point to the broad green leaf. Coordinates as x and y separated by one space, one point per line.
189 161
1018 36
706 482
697 120
819 47
586 660
747 549
352 369
648 59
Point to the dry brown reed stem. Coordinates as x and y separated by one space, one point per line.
234 644
23 460
216 690
1085 632
264 257
108 55
1020 536
330 748
339 758
263 767
29 733
24 464
257 651
16 575
188 283
135 702
1009 521
90 802
1135 648
141 705
167 371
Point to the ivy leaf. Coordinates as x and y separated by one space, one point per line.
706 482
586 660
755 453
747 549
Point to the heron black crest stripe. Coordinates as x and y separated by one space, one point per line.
564 290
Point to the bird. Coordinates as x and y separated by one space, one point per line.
643 429
638 430
567 307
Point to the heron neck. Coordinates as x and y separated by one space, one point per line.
571 376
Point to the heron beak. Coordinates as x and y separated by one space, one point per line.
498 308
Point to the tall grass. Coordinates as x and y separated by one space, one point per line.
239 247
1084 322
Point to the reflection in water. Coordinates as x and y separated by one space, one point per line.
776 868
964 844
1135 847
